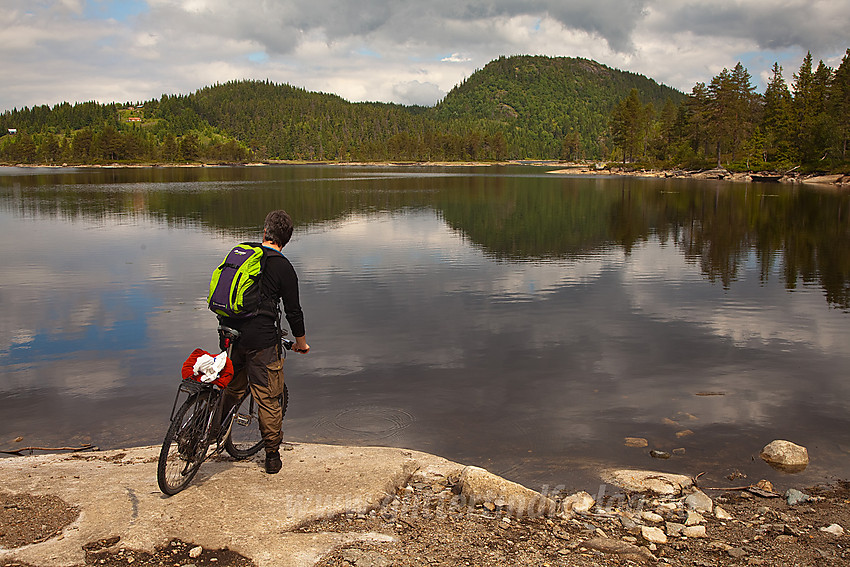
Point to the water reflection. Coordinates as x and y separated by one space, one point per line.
500 316
511 217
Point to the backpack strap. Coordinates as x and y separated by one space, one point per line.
267 305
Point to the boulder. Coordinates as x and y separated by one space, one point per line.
785 455
648 481
479 486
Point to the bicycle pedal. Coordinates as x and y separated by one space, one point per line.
243 420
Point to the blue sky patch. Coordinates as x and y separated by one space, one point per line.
368 53
114 9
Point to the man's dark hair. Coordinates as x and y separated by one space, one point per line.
278 228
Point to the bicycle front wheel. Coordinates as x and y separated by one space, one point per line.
245 439
185 445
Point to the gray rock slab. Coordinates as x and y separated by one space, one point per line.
652 481
232 504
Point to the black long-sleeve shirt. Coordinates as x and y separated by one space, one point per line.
279 282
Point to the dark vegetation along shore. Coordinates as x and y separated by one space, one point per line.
515 108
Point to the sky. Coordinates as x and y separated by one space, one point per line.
403 51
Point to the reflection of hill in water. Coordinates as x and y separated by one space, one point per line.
512 218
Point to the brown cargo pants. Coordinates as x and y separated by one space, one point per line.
262 371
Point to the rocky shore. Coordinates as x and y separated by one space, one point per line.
838 180
377 507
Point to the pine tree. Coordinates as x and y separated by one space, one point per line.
778 121
627 125
839 101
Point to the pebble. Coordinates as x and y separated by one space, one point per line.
694 531
794 497
721 514
699 501
655 454
694 518
579 502
736 552
652 517
195 552
635 442
833 529
653 535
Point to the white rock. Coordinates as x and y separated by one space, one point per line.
721 514
579 502
195 552
699 501
833 529
694 518
694 531
652 517
653 535
785 453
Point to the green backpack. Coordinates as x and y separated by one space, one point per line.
235 284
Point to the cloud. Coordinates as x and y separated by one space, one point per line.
455 58
811 25
388 51
416 92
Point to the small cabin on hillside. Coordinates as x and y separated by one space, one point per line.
13 131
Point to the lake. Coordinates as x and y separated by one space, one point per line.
501 316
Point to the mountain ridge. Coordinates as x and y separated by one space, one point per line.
523 106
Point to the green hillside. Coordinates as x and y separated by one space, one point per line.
539 102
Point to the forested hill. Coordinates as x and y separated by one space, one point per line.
542 103
523 107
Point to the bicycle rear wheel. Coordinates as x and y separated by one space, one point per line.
245 439
185 445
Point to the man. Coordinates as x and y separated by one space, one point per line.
256 355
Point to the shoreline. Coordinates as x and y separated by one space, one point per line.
346 505
838 180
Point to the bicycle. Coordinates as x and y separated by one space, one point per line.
194 424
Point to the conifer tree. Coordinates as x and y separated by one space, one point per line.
839 101
778 120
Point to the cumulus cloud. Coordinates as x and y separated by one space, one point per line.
416 92
399 51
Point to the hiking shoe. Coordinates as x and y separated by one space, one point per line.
273 464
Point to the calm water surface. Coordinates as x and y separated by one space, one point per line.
504 317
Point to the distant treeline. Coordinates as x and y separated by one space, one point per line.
515 108
522 107
726 123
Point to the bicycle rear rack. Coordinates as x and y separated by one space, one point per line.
189 387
